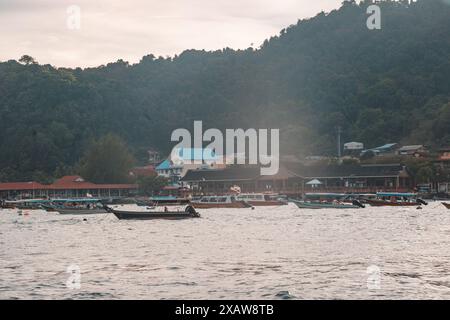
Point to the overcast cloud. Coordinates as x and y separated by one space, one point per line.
118 29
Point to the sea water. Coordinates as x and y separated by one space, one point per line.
267 253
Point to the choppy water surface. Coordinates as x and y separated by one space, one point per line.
267 253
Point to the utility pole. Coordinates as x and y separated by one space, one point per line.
339 131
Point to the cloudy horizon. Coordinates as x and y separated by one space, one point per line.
112 30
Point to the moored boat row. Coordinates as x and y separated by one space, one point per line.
396 200
166 208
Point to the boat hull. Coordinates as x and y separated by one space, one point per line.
81 211
317 205
129 215
188 213
232 205
381 203
74 211
447 205
266 203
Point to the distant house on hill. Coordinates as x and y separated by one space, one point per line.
413 150
443 159
153 157
170 171
353 146
182 160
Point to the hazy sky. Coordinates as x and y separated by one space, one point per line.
119 29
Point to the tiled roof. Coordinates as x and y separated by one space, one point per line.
143 171
64 183
5 186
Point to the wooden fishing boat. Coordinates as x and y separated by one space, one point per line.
262 200
154 213
395 200
447 205
25 204
162 201
211 202
76 206
326 205
76 211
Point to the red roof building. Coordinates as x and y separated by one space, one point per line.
146 171
68 186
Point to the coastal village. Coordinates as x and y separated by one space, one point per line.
386 168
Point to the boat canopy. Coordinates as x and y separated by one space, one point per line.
28 201
314 182
163 198
87 200
326 195
396 194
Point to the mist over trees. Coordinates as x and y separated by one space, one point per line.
380 86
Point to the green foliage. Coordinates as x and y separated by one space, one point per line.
423 170
151 185
26 59
381 86
107 160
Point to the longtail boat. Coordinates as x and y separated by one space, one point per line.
393 199
326 205
212 202
154 213
76 206
262 200
447 205
25 204
162 200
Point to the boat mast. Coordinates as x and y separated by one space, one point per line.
339 131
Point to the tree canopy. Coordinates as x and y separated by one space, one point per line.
107 160
380 86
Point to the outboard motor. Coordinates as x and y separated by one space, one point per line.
422 202
191 210
107 209
358 204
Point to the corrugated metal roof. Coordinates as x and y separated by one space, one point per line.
165 165
410 148
296 170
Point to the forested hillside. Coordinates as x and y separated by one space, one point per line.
388 85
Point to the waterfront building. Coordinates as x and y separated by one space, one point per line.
66 187
294 178
417 151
